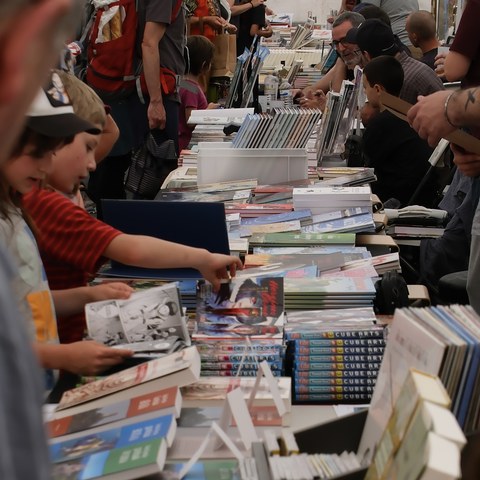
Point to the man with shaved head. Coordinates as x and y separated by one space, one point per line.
422 32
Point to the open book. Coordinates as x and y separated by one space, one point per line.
149 321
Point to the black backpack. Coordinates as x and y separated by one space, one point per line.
391 293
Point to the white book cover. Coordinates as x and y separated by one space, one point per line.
409 345
148 316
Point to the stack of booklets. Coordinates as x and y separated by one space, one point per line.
331 292
257 210
443 341
334 355
422 438
308 76
352 219
359 219
414 231
350 179
327 199
289 239
243 307
327 173
281 128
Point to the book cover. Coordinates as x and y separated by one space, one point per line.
242 301
138 461
121 437
178 368
151 315
168 400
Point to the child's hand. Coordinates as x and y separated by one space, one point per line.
91 358
216 267
109 290
212 106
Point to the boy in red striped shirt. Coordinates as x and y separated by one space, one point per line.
73 244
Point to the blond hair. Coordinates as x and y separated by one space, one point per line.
86 103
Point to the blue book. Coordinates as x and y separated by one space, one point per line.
135 461
121 437
470 367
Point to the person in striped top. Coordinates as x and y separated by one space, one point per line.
74 245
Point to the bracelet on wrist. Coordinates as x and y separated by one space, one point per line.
251 4
445 111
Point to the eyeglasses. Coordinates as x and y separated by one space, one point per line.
342 41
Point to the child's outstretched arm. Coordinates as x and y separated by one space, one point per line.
150 252
81 358
72 300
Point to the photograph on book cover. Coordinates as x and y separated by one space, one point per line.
247 301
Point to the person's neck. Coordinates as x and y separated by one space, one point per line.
192 77
428 45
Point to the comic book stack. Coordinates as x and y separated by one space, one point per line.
334 355
240 326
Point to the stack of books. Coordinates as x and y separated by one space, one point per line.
321 199
352 178
334 356
122 424
331 292
289 239
243 307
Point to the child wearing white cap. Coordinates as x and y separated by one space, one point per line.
51 124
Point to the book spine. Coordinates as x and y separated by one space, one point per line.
348 342
338 358
234 373
303 389
335 366
338 350
334 397
218 347
341 382
209 358
338 374
235 366
336 334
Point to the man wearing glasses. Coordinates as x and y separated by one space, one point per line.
349 55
